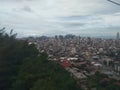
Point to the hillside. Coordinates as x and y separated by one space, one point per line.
22 67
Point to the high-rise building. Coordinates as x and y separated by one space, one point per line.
118 36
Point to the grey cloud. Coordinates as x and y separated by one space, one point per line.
37 17
80 21
30 0
80 18
73 24
27 9
11 0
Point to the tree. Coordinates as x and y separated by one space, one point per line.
22 67
12 54
41 74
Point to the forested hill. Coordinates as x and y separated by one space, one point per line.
22 67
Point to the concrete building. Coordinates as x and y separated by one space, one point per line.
118 36
117 68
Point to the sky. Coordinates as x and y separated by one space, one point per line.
60 17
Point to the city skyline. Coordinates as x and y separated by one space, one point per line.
60 17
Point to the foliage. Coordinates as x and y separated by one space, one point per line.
23 68
102 82
41 74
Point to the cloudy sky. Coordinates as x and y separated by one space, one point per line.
54 17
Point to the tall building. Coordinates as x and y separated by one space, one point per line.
118 36
73 51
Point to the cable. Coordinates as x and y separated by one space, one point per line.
114 2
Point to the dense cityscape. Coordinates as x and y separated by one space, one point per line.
59 44
82 56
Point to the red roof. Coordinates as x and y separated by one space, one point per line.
66 63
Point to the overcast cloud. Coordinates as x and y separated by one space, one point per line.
51 17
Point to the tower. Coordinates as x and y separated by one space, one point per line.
118 36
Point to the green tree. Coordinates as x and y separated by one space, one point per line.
12 54
22 67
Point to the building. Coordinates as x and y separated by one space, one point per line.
117 68
66 64
118 36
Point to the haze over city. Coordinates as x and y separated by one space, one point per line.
54 17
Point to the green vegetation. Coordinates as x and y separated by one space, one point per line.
22 67
102 82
